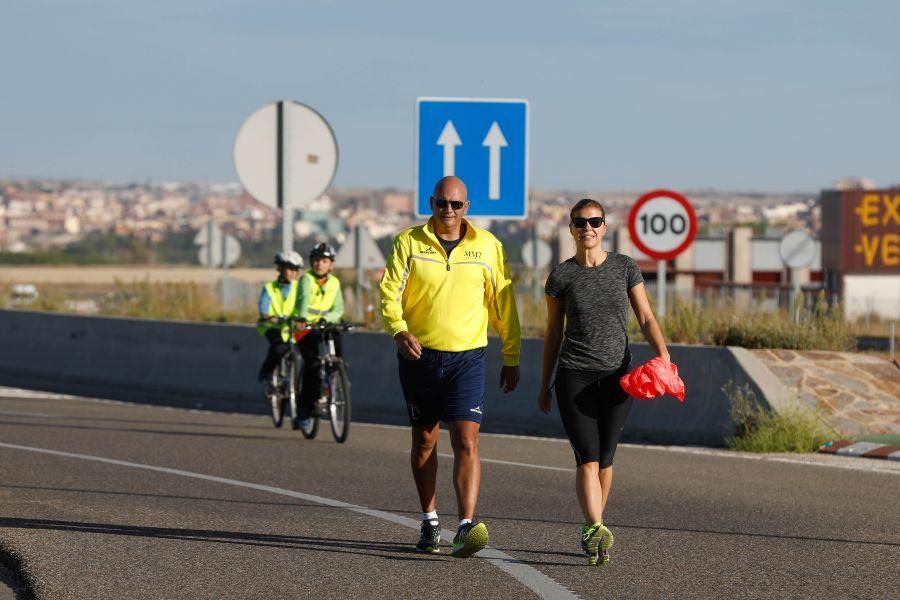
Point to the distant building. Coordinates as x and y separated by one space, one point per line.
854 183
394 202
735 260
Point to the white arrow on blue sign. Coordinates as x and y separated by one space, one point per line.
484 142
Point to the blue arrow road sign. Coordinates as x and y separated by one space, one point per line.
484 142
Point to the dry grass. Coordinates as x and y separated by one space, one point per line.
171 301
108 275
183 293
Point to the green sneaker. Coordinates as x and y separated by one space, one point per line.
596 540
470 538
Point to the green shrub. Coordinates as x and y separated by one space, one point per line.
760 430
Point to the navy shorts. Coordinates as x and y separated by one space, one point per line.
443 386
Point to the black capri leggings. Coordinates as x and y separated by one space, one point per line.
593 407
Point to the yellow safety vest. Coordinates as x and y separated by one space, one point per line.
279 307
321 297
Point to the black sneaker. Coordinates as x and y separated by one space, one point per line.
429 538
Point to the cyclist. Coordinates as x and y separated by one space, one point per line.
279 298
321 299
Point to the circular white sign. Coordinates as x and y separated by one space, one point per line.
544 254
202 237
308 152
797 249
232 252
662 225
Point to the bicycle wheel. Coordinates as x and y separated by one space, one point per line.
339 401
292 394
276 402
310 431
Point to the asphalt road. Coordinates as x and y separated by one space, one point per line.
108 500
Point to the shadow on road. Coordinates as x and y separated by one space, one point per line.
141 421
388 550
150 431
732 534
170 496
512 519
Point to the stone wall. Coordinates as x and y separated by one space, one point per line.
856 393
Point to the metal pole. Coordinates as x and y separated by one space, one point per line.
360 273
209 254
222 298
282 180
661 288
534 263
891 342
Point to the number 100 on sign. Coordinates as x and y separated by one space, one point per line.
662 224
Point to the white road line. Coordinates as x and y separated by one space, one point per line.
517 464
540 584
16 413
867 465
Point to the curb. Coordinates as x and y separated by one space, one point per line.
861 449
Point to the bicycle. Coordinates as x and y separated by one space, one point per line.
333 402
283 382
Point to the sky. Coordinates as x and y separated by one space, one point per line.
767 95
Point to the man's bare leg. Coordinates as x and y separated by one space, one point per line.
423 460
466 466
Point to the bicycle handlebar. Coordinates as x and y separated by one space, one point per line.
323 325
317 325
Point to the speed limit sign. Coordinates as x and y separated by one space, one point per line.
662 224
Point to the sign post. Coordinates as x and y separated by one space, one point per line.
662 224
285 155
536 254
482 141
361 252
798 250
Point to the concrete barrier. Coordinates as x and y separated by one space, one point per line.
213 367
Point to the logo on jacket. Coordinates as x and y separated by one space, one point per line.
472 254
427 250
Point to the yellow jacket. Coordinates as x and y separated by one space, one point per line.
445 303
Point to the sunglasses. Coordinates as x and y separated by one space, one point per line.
595 222
455 204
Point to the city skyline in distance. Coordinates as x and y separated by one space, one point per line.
699 95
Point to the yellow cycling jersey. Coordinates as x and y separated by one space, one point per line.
447 303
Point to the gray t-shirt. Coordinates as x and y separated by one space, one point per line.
596 301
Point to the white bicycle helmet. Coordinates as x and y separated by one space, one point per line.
289 258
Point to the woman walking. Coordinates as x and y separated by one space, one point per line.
589 295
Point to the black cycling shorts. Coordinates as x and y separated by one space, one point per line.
593 407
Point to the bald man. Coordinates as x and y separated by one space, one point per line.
444 281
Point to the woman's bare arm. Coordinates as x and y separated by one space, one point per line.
556 316
650 328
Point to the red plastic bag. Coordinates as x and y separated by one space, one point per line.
652 379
